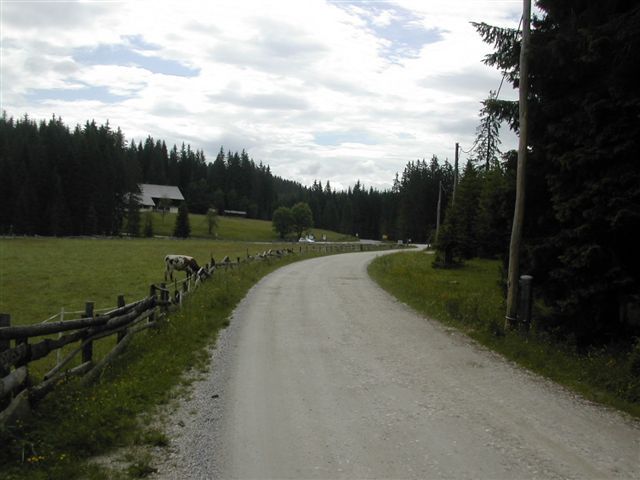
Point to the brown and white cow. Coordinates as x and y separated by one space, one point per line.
181 263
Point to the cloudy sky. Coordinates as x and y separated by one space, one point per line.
318 89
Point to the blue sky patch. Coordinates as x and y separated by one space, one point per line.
124 55
402 28
339 137
138 42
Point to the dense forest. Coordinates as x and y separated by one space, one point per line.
54 181
582 211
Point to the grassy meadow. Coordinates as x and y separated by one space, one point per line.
39 276
231 229
470 299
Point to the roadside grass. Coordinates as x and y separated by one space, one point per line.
469 298
121 410
232 229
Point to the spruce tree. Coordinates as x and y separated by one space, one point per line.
182 228
133 216
458 239
148 224
495 208
487 150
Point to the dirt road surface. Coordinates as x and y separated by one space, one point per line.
323 375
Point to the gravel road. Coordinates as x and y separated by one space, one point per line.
323 375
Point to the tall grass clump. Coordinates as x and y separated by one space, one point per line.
470 299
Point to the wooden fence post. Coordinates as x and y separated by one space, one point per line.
164 297
5 321
87 350
524 307
152 294
121 333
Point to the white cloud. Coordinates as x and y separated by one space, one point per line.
330 90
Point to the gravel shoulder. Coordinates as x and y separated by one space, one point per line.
322 374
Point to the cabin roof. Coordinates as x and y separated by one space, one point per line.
149 191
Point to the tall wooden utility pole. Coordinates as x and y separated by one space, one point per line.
455 175
438 213
518 214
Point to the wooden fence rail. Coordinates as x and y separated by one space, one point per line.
17 395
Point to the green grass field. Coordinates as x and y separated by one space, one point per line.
40 276
470 299
232 229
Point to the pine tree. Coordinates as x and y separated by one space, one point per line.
458 239
148 224
495 208
133 216
58 214
487 150
182 228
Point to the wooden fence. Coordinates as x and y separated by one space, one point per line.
21 345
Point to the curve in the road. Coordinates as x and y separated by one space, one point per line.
324 375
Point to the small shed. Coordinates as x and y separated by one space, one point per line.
235 213
160 197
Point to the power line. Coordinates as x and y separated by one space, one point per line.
504 74
475 144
